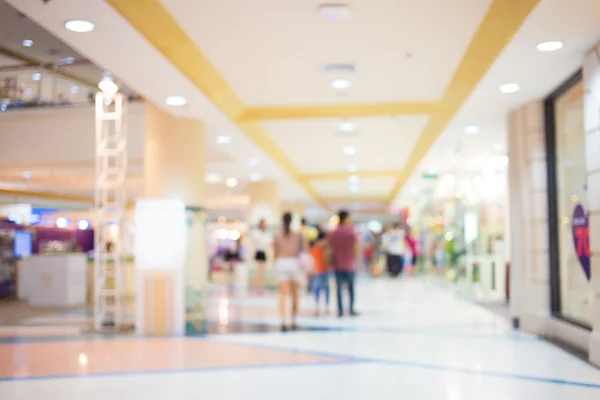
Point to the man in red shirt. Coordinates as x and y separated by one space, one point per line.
344 245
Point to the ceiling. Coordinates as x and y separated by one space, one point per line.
254 70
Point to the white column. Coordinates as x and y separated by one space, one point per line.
264 204
174 168
591 77
530 269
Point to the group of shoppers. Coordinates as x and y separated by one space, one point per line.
296 258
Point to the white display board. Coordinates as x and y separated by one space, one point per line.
160 247
160 235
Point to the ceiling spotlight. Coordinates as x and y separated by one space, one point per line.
83 224
509 88
347 127
353 179
334 12
350 151
253 162
471 129
224 139
27 174
341 84
36 77
352 168
67 60
107 85
27 43
176 101
552 45
62 222
354 188
255 177
79 26
231 182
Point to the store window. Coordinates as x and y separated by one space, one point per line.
567 183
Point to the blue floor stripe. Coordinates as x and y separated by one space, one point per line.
411 364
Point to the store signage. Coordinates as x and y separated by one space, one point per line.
581 238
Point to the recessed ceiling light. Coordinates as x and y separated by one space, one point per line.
352 168
224 139
347 127
253 162
27 43
67 60
471 129
354 188
74 89
255 177
36 77
27 174
79 26
213 178
509 88
334 12
176 101
341 84
231 182
353 179
350 151
552 45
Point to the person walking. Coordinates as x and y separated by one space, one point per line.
262 242
344 245
393 241
319 251
288 246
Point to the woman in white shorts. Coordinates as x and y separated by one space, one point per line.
288 246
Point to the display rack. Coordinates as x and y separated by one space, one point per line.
110 203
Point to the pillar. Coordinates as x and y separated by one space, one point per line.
175 168
264 204
591 79
530 267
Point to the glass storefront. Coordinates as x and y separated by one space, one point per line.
567 184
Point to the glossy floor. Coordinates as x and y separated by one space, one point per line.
414 340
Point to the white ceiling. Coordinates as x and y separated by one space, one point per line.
271 53
316 146
283 45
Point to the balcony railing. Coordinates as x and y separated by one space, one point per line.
48 86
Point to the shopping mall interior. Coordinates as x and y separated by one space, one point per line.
387 198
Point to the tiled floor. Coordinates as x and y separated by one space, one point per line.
414 340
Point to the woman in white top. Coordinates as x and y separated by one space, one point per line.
288 247
262 241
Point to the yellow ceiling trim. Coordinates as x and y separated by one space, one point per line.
154 22
354 199
338 111
345 175
501 23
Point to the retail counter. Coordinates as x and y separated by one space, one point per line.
57 280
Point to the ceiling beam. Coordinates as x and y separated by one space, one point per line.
500 24
157 25
338 111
